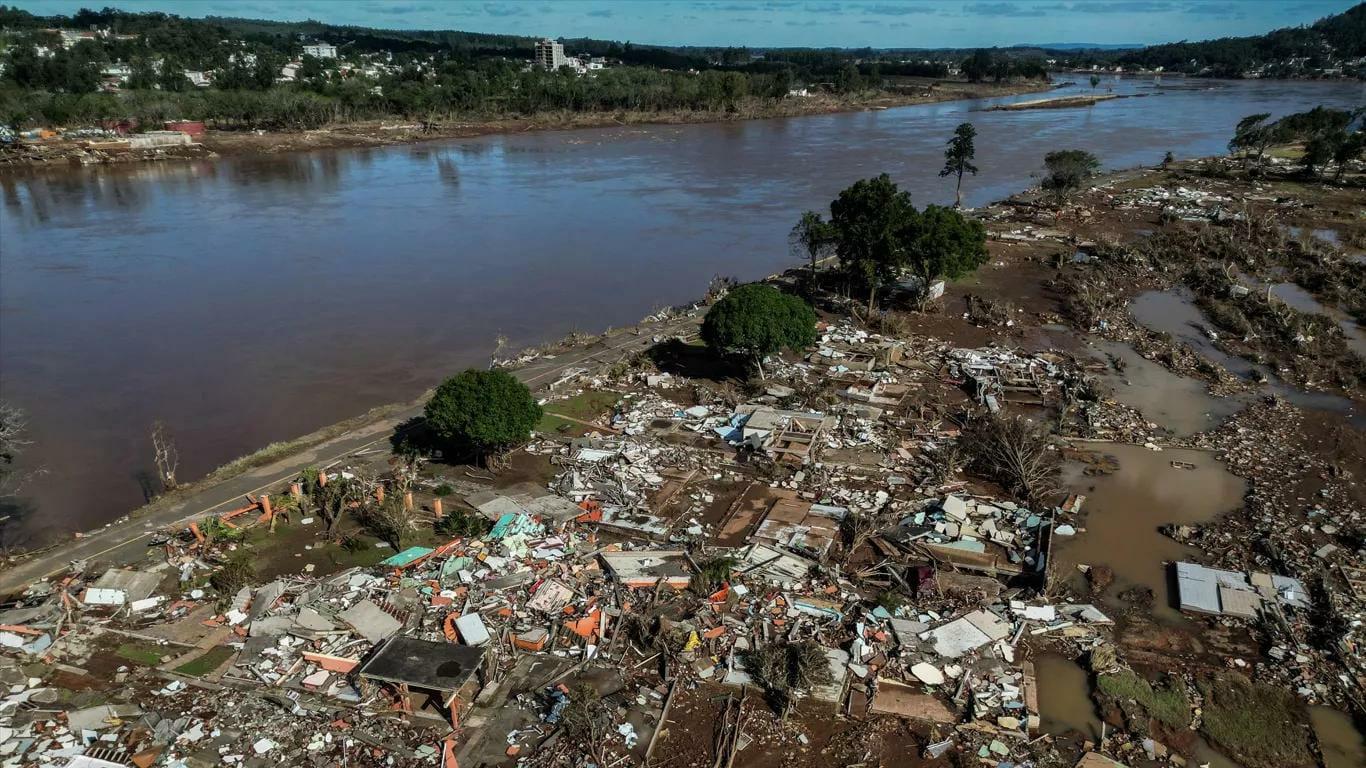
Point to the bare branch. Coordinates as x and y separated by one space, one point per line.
165 454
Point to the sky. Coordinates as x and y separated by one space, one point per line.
852 23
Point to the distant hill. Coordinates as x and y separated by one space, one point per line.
1326 44
1082 46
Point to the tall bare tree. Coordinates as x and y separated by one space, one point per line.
1015 452
165 454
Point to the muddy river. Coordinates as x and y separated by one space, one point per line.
254 299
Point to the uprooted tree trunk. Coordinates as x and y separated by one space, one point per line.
165 455
1016 452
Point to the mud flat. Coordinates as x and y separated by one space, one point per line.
1064 102
1174 313
1340 743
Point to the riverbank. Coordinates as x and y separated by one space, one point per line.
1166 681
58 153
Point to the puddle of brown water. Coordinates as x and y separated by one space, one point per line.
1065 697
1174 313
1342 745
1178 403
1124 510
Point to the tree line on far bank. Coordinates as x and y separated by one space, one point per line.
424 75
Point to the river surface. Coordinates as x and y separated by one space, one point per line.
254 299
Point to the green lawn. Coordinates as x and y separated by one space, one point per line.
139 653
206 663
586 406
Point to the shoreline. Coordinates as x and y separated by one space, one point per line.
171 507
214 144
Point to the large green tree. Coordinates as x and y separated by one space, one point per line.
814 236
758 320
942 242
958 157
1068 170
483 411
868 220
1253 135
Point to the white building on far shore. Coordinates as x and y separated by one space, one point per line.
321 50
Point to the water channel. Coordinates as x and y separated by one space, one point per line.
253 299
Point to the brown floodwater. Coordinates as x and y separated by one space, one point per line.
252 299
1342 745
1124 510
1178 403
1065 697
1174 312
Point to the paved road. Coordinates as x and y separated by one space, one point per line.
126 542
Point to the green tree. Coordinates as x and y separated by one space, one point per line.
979 65
310 67
758 320
1253 134
172 76
942 242
1095 80
1352 147
1067 170
142 75
868 220
483 411
848 79
813 235
958 158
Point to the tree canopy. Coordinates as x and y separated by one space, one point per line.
1326 134
1068 170
958 157
879 236
482 411
944 243
868 220
758 320
814 236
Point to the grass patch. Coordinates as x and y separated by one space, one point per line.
585 406
146 655
206 663
1166 703
1258 725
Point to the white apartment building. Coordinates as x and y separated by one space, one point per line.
550 54
321 50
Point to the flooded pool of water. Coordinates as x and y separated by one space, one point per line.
1065 697
1174 313
1177 403
1124 510
1342 745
